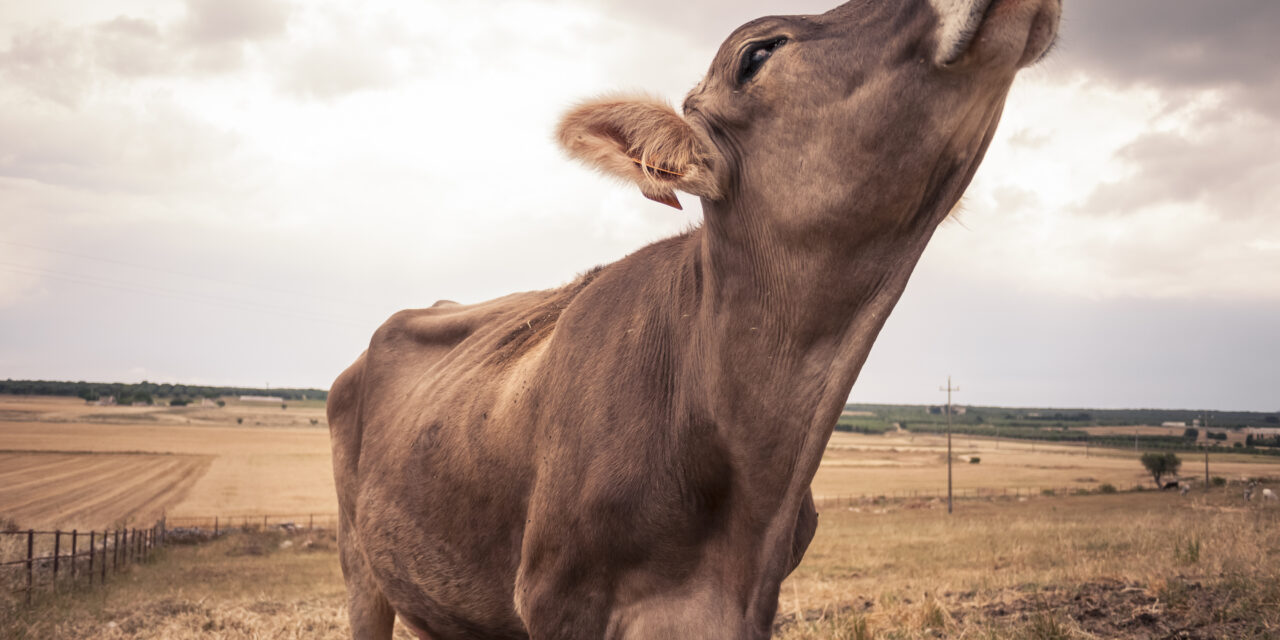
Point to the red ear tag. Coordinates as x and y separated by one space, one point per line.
668 198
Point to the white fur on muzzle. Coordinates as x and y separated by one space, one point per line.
959 21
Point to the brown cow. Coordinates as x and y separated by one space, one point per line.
629 456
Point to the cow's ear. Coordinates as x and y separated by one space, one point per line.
644 141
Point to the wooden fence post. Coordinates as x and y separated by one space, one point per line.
31 544
104 557
115 551
91 552
57 550
215 526
74 535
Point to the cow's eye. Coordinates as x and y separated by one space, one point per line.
755 56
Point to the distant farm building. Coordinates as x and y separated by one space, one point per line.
1173 424
106 401
1266 432
274 399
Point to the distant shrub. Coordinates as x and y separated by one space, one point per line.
1048 492
222 403
283 407
179 402
1219 481
1107 487
1161 464
975 460
1238 445
239 420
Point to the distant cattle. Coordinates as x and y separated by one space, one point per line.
1268 495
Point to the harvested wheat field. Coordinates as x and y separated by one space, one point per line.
72 490
1136 566
234 460
870 465
263 460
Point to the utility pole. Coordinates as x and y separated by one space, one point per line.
948 389
1205 423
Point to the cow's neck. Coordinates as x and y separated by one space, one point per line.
784 326
788 322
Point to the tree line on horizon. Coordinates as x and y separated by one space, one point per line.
145 391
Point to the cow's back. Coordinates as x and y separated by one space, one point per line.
421 425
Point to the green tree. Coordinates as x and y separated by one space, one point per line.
1161 464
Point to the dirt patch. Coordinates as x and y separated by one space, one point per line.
1179 609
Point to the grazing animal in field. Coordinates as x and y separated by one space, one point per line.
629 456
1172 484
1267 495
1184 488
1249 489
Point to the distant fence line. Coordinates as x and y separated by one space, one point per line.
85 557
218 524
967 493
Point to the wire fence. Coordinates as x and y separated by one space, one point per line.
53 559
220 524
35 560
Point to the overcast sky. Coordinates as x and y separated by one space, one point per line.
239 191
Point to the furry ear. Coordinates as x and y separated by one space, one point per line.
642 140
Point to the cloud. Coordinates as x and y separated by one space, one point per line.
1178 46
111 147
1228 165
325 72
51 62
131 47
212 22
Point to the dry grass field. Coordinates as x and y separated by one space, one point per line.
1141 565
860 464
252 459
67 464
1127 565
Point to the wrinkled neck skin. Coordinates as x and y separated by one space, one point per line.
788 313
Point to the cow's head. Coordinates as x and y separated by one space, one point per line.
875 113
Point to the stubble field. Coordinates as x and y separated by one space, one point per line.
67 464
1129 565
